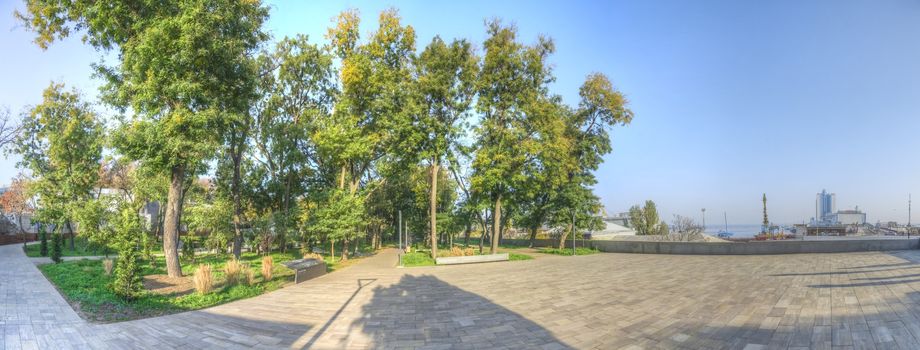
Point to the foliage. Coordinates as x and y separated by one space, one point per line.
56 245
61 144
268 265
202 279
568 251
85 282
339 216
645 220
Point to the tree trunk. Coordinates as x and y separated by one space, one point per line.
466 234
533 235
344 249
496 224
332 249
433 207
171 222
565 233
237 207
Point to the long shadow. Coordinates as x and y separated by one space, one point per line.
886 278
876 266
423 311
361 284
201 330
832 273
864 284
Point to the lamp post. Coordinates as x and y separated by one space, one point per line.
399 233
574 230
704 220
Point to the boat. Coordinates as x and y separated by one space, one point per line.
725 234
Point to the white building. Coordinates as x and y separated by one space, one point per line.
849 217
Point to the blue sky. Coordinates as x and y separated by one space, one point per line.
732 98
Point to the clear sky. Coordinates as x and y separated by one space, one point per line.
732 98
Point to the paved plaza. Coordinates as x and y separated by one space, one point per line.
602 301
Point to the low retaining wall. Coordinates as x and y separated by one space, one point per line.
540 243
472 259
754 248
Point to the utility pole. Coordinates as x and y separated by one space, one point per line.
908 215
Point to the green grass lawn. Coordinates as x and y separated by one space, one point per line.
85 284
568 251
423 258
82 248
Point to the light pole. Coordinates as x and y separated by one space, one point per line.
704 220
399 233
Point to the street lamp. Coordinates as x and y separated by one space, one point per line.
704 220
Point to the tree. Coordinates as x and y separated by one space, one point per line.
601 108
9 129
375 100
445 77
512 77
16 201
297 89
183 69
645 220
61 145
337 218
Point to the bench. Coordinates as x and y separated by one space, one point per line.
305 269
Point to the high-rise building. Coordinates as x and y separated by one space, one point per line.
827 206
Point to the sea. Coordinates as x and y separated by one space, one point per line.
739 231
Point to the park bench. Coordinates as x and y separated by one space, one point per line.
305 269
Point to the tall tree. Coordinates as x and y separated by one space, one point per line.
601 107
445 78
16 201
9 128
61 145
512 76
375 101
182 69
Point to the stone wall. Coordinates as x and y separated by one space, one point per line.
731 248
752 248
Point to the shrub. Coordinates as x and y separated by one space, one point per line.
267 265
469 251
43 248
249 276
313 256
232 270
108 265
56 243
456 251
203 280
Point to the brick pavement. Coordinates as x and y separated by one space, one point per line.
603 301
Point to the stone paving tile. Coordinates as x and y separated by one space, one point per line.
602 301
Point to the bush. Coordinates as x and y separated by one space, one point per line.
56 243
249 276
232 270
313 256
43 248
203 280
268 265
108 265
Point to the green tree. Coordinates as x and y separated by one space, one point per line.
445 78
375 100
601 107
512 77
183 69
337 218
645 220
61 145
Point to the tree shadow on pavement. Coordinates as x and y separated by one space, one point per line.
423 311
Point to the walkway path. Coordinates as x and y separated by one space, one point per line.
602 301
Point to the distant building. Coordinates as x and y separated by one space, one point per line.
827 206
849 217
